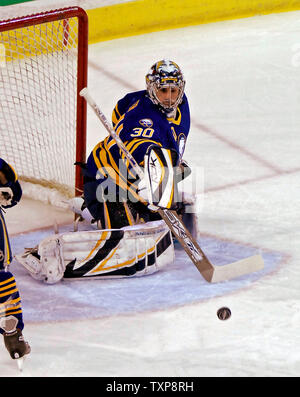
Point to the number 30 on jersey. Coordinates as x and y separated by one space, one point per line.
142 132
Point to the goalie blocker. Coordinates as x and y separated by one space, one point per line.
162 173
6 196
131 251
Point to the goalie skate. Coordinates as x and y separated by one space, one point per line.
30 260
50 269
14 341
16 345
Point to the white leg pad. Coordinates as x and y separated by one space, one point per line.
131 251
49 267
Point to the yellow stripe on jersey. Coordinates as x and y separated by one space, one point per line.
116 115
107 165
110 144
133 106
113 171
10 312
175 121
117 125
10 309
9 292
10 304
7 281
10 285
114 118
119 129
133 145
96 158
15 174
117 110
117 178
128 147
117 170
111 162
174 133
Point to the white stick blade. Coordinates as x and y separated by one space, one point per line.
237 269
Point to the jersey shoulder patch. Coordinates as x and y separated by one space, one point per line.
146 123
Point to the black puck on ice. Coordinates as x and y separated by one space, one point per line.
224 313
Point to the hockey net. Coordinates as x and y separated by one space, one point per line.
43 67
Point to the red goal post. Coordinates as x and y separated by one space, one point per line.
43 67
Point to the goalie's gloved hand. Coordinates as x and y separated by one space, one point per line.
6 196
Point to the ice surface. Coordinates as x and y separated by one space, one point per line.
243 88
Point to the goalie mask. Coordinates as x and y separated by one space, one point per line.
165 85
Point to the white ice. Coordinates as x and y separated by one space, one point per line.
243 81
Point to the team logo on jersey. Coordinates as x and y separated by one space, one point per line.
146 122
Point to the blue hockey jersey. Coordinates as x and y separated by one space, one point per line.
140 124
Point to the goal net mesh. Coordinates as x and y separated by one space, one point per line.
38 101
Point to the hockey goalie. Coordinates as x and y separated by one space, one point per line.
126 235
141 248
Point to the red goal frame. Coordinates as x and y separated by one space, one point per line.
82 69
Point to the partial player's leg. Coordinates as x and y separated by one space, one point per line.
11 318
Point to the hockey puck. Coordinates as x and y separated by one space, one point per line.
224 313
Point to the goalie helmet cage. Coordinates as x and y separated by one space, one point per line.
43 67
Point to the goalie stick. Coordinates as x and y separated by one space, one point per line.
209 272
